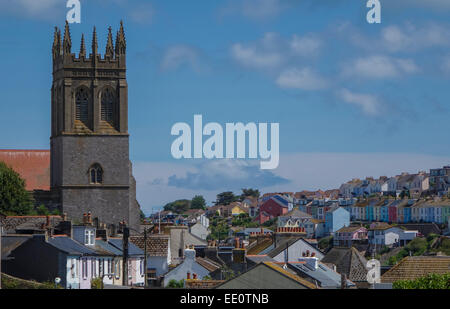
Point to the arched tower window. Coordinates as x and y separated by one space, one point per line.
96 174
107 106
82 105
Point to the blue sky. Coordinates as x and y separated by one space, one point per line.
353 99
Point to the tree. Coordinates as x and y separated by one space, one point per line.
198 202
178 206
226 198
431 281
142 215
174 284
14 198
249 193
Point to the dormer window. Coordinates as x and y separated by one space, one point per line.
96 174
89 237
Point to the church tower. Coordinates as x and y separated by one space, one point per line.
90 166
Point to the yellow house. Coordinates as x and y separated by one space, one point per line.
237 209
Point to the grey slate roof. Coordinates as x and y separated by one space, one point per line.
324 275
70 246
259 258
106 248
132 249
9 243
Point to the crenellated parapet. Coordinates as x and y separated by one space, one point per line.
114 57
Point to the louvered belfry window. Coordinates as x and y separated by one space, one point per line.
82 105
107 106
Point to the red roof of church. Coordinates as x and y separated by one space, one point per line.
32 165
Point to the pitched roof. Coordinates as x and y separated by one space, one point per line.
259 247
349 229
413 267
132 249
259 258
288 242
296 213
423 228
208 264
348 261
290 275
11 223
157 245
324 275
11 242
32 165
70 246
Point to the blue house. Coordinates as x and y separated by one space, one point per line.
335 219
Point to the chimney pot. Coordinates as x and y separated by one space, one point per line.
188 275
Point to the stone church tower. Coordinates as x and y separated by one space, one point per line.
90 169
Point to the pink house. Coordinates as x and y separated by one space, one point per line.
346 236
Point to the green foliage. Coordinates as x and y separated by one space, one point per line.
417 246
325 242
178 206
14 199
226 198
198 202
97 284
9 282
243 220
431 281
249 193
219 228
174 284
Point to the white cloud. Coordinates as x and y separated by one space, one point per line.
142 14
305 46
410 37
380 67
273 51
304 79
369 104
256 10
251 57
36 9
179 55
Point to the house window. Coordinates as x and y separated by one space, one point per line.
82 105
84 268
100 267
141 267
117 269
96 174
130 275
89 237
73 268
107 106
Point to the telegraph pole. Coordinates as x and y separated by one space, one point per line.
1 233
145 257
126 234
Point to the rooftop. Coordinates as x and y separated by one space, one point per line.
32 165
